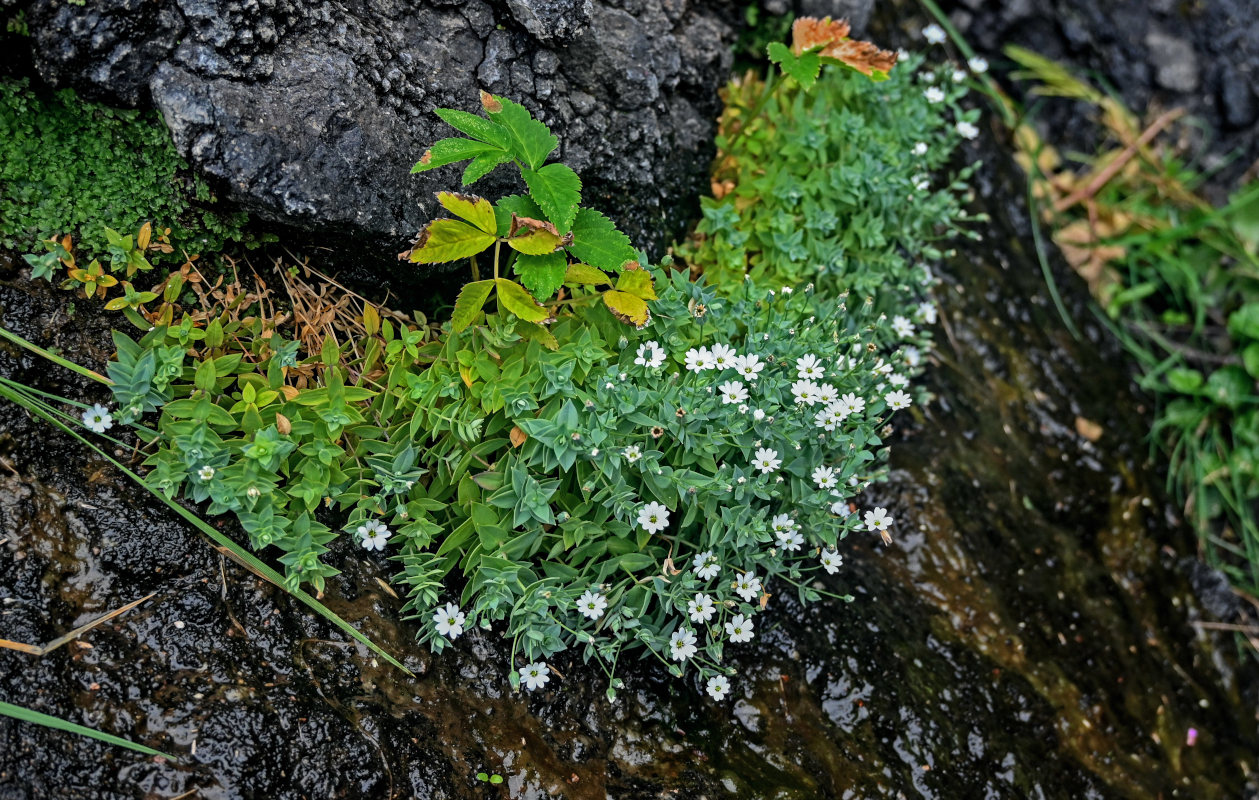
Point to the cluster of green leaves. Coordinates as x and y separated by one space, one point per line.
551 239
72 167
127 256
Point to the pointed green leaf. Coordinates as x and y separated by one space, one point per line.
449 240
557 190
515 299
530 140
476 210
471 298
519 204
586 275
804 68
597 241
481 166
637 282
28 715
627 307
542 275
477 127
450 151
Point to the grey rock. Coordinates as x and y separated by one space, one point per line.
857 12
1174 61
1237 100
552 19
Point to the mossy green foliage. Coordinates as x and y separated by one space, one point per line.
68 166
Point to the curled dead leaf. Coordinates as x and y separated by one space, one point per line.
517 436
765 599
809 33
1088 429
283 425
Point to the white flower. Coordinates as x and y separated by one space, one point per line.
959 75
877 520
827 394
967 130
706 566
920 149
903 327
805 391
840 507
897 400
831 561
782 522
733 392
790 540
205 473
98 419
374 534
978 65
898 380
824 477
808 366
747 586
787 290
926 312
650 355
591 604
766 460
881 368
724 356
855 404
927 77
718 687
828 419
749 366
757 414
535 675
653 517
921 183
912 357
934 34
449 621
739 628
699 359
934 94
700 608
682 644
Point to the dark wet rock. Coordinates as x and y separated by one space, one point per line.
1237 100
857 12
311 115
1174 61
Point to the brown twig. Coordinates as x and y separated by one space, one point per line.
1113 168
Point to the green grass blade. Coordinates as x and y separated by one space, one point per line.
54 358
26 715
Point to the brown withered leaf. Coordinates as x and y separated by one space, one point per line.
427 158
283 425
832 36
489 103
517 436
1088 429
810 32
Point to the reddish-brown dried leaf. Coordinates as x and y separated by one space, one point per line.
490 104
808 33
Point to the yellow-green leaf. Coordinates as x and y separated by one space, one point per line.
471 298
516 299
449 240
638 283
533 237
586 275
539 334
476 210
627 307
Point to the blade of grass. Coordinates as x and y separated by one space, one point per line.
74 634
27 715
54 358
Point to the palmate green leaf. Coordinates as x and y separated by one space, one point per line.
597 241
479 128
542 275
450 151
471 298
519 302
446 240
529 140
557 190
804 68
27 715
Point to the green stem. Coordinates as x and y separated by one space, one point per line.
56 359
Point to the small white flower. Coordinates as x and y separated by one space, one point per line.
758 414
827 394
592 604
825 478
855 404
898 380
766 460
653 517
805 391
921 183
831 561
787 290
959 75
967 130
978 65
205 473
706 566
98 419
926 312
650 355
934 94
740 628
724 356
877 520
920 149
632 453
840 508
732 392
700 608
828 418
808 366
718 687
934 34
927 77
790 540
897 400
535 675
782 522
839 410
747 586
749 366
698 359
373 534
682 644
449 621
903 327
912 357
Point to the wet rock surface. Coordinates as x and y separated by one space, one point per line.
311 115
1031 633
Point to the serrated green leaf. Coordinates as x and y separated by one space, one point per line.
476 210
597 241
529 140
519 204
557 191
535 239
450 151
638 283
477 127
804 68
481 166
586 275
515 299
543 274
471 299
449 240
627 307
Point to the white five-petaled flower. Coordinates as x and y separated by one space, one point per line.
650 355
733 392
632 453
740 628
592 604
205 473
718 687
535 675
828 419
805 391
898 381
698 359
706 566
912 356
653 517
826 393
449 621
959 75
758 414
926 312
978 65
934 34
967 130
903 327
724 356
749 366
841 508
920 149
934 94
877 520
98 419
766 460
824 477
748 586
831 561
808 366
782 522
682 644
897 400
700 608
373 534
790 540
921 183
855 404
